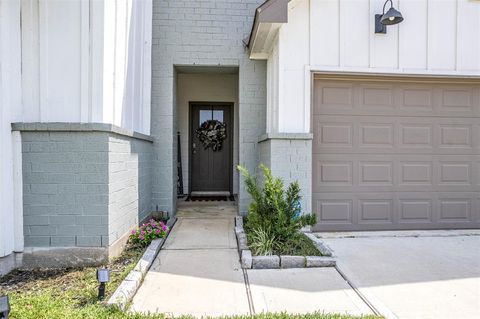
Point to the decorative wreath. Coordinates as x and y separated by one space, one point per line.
212 133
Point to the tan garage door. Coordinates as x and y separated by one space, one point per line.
395 153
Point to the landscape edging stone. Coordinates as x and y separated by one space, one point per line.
248 261
129 286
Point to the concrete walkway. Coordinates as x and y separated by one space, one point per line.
430 274
198 273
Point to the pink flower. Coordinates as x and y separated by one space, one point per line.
164 228
134 232
157 231
142 233
141 237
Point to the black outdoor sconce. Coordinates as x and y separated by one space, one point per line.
391 17
103 276
4 307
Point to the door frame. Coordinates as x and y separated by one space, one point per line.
230 133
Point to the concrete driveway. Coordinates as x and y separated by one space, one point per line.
435 275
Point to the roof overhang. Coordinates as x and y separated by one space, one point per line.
269 17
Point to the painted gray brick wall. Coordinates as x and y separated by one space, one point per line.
83 189
65 196
290 158
130 184
208 33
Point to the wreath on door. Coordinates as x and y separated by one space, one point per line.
212 133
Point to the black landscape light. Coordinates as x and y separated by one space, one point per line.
4 307
103 276
391 17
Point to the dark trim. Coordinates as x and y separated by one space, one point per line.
231 131
271 11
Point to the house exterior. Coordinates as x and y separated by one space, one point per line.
101 101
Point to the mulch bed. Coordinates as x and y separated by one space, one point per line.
64 278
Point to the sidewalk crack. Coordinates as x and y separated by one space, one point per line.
249 292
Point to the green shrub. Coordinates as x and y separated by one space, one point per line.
274 215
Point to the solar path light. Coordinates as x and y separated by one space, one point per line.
103 276
4 307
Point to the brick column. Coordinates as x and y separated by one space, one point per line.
289 156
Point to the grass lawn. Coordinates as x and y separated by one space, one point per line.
65 293
72 294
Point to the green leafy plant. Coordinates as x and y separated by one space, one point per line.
148 232
274 213
262 241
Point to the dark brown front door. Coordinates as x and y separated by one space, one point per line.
210 169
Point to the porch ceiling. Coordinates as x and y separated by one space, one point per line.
206 69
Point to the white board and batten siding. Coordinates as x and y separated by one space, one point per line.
85 61
11 228
437 37
68 61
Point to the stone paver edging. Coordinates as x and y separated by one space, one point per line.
129 286
249 261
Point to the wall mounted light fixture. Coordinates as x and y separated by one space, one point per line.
392 16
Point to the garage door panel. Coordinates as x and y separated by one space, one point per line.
334 172
334 211
375 173
415 135
454 173
395 173
396 210
455 136
457 98
334 134
379 134
335 96
413 172
416 98
396 155
415 210
377 209
376 134
455 210
456 207
377 98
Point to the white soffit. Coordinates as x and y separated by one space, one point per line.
269 17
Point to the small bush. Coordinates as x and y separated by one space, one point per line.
147 232
274 217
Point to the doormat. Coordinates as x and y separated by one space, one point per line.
210 199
